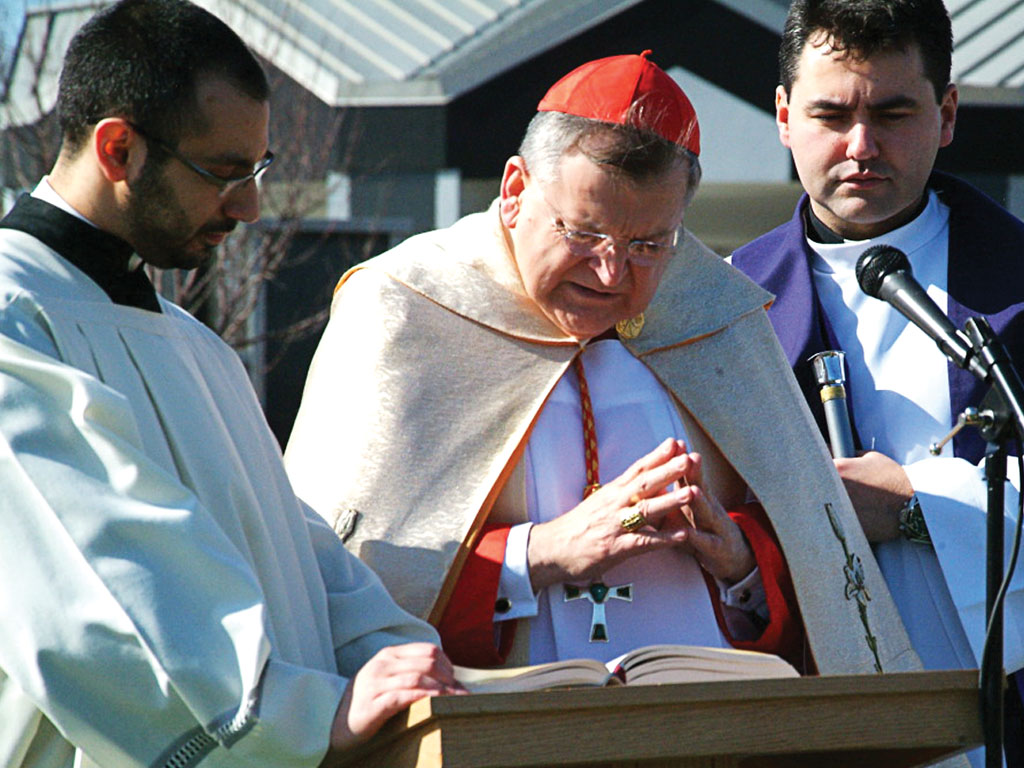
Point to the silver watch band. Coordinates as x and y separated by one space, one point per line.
911 522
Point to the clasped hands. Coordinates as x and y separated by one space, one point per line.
580 545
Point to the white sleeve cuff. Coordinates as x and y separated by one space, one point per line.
943 477
296 709
516 599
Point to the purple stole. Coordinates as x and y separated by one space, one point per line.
986 278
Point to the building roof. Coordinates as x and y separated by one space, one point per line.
988 35
29 85
423 52
989 50
405 52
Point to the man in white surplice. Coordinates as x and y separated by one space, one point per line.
167 599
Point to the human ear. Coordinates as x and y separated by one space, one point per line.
113 145
782 114
513 182
947 111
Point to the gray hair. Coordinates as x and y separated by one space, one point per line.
638 153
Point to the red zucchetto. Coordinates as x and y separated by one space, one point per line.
627 89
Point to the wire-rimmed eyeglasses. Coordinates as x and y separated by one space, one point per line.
598 245
224 184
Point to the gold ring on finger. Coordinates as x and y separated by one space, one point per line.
632 520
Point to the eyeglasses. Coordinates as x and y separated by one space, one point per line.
224 184
598 245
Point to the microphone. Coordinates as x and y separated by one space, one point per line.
884 273
831 380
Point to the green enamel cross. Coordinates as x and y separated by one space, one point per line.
596 594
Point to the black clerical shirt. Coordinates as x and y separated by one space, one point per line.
104 257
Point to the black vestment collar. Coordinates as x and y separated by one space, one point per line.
103 257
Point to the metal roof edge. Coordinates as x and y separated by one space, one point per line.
990 96
523 34
420 92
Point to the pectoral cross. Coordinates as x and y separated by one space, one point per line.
596 594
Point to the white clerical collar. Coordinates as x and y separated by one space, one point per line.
910 238
45 192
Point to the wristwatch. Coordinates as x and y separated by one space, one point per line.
911 522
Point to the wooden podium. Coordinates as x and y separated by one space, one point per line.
870 721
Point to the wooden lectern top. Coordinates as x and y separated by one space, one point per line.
880 721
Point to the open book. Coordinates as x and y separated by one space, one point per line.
650 665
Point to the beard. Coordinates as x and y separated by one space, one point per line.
161 230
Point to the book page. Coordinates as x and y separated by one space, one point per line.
643 666
682 664
557 674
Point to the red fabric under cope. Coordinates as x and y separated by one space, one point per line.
467 626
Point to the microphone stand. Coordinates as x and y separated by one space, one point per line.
1008 422
1001 419
993 675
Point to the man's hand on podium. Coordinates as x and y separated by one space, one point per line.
388 683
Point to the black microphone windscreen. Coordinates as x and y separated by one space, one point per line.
876 264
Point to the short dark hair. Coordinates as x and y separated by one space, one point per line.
862 28
637 153
143 60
